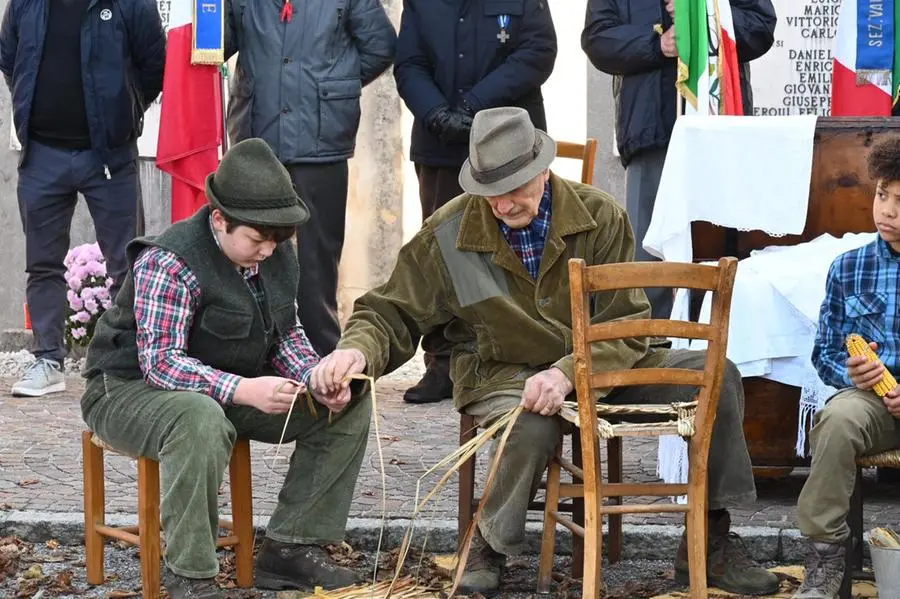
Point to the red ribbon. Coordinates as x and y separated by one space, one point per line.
287 13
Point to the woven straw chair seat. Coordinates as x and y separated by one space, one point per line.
96 440
885 459
682 425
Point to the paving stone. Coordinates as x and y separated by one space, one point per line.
41 470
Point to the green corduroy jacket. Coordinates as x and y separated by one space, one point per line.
460 271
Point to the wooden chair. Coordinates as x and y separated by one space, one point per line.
854 563
466 503
693 421
146 534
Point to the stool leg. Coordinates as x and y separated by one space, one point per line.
242 511
94 508
148 525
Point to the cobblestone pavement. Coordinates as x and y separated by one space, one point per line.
40 465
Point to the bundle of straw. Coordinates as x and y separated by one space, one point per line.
404 588
885 538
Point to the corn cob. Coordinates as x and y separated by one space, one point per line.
857 346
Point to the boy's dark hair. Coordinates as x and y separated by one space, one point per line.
884 160
278 234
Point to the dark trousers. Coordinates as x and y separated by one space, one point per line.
641 183
320 240
437 186
49 182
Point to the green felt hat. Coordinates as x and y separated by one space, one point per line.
252 186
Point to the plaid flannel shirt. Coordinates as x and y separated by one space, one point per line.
861 296
528 242
167 294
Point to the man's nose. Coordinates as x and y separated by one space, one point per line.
503 206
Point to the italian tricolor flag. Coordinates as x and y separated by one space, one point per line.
708 70
866 69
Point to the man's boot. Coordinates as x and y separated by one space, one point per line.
484 569
180 587
281 566
728 566
435 384
824 571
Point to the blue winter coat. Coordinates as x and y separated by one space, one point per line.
122 62
449 49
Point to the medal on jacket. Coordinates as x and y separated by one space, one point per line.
287 13
503 21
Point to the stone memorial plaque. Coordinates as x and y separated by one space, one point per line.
794 77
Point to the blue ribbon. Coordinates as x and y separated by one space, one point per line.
503 21
209 26
875 37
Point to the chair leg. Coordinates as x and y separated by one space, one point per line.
94 508
466 491
148 525
854 547
577 515
242 511
548 538
696 522
592 582
614 474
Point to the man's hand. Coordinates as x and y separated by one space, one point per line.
269 394
667 43
335 402
892 402
328 377
863 373
545 392
670 8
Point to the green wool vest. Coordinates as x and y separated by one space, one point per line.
229 330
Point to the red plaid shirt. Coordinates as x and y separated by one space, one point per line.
166 296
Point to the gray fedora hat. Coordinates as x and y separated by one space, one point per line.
252 186
505 152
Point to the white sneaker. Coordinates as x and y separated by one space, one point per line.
43 376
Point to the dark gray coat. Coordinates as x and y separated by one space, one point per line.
297 85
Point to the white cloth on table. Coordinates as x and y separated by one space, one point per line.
740 172
772 327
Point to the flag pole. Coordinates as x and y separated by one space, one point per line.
223 89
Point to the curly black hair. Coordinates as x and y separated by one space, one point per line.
884 160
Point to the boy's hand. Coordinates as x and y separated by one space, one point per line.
269 394
863 373
892 402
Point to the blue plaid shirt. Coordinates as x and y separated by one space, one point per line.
861 296
528 242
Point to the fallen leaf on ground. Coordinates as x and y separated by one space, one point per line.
34 571
28 482
52 544
120 594
397 462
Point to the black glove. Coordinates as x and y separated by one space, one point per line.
449 126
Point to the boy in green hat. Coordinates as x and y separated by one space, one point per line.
204 345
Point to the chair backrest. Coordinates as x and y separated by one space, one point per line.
586 152
610 278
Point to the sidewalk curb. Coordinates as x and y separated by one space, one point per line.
646 541
13 340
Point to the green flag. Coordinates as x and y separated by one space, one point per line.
692 42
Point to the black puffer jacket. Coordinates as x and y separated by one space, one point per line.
619 39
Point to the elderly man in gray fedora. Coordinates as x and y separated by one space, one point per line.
491 266
202 346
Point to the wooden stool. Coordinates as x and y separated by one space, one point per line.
854 563
146 534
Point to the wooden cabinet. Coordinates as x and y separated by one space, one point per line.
840 201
